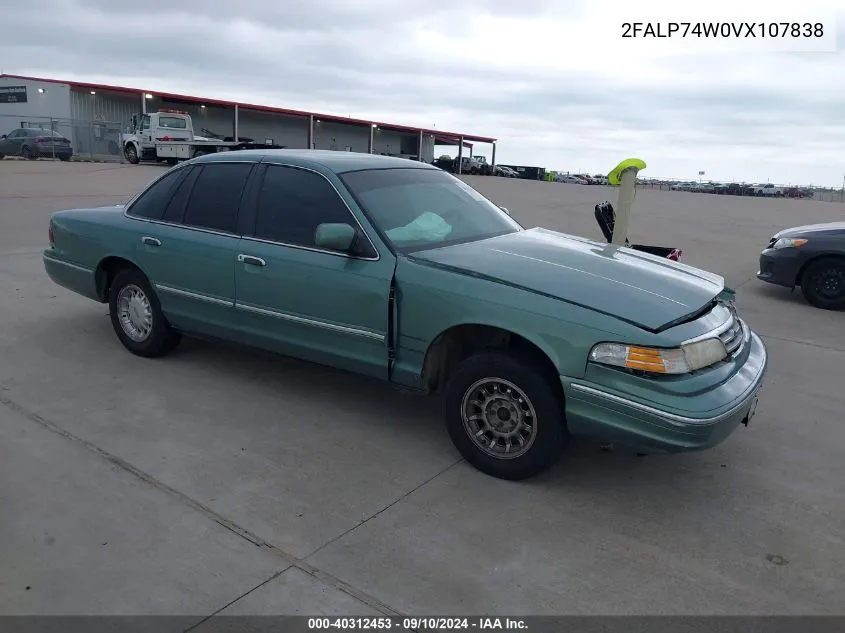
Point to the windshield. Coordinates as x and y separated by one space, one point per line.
418 209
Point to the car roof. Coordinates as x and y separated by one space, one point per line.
330 160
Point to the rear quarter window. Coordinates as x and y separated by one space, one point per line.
152 203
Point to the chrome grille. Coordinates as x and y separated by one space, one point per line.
732 334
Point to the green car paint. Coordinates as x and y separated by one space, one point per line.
388 314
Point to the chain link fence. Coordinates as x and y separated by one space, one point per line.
30 137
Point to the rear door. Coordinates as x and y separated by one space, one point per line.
324 306
188 247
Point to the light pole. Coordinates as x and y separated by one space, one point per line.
43 91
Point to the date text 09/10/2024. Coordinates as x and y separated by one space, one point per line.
724 29
386 623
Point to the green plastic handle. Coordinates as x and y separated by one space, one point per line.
615 176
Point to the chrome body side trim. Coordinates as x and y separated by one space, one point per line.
343 329
62 262
195 295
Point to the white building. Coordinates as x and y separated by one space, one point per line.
93 116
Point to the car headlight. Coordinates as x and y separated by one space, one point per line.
788 242
680 360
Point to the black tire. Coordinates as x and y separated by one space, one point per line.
823 283
549 427
28 152
160 338
131 154
2 156
64 158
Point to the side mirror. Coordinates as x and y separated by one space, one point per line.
505 210
335 237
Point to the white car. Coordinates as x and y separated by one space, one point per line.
570 179
768 190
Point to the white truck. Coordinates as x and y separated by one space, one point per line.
768 191
168 135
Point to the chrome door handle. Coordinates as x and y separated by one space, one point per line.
251 260
150 241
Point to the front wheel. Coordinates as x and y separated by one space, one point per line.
137 318
131 154
505 418
823 283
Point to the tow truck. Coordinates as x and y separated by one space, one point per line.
168 135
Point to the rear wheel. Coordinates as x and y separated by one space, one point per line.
64 158
137 318
823 283
504 416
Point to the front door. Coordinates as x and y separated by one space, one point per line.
323 306
145 138
188 250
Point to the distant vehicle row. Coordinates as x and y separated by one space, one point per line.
734 189
473 165
581 179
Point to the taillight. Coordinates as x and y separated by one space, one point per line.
50 235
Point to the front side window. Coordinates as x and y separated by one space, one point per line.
152 202
417 209
293 202
216 196
145 122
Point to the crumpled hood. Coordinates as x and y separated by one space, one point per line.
643 289
828 228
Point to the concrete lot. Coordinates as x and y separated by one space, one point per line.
223 480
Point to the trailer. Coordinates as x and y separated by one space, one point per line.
168 135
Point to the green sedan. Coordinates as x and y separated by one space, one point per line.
402 272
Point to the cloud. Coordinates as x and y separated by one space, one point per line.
553 80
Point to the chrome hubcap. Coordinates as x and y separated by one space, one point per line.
134 313
499 418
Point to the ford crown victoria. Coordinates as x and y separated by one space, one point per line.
400 271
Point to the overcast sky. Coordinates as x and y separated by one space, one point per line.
553 80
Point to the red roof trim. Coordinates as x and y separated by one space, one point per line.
263 108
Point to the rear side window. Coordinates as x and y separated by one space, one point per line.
216 196
153 201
